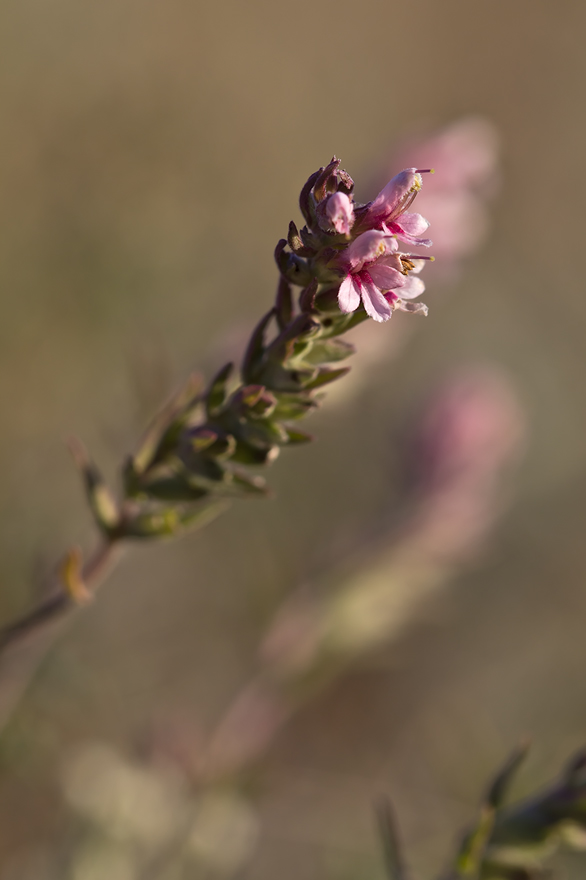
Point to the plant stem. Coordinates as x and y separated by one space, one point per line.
25 643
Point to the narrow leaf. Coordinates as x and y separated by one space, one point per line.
324 377
101 500
499 787
217 393
151 441
390 840
256 348
249 483
328 351
295 436
284 303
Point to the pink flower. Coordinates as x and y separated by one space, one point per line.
375 272
388 211
340 212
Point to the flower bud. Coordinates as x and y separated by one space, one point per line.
339 211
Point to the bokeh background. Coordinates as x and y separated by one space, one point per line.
152 154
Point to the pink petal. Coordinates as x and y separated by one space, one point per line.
368 247
374 302
386 277
418 265
417 308
395 229
396 190
349 294
391 231
391 260
412 287
413 224
340 212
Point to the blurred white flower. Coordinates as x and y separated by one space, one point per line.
128 801
104 863
225 832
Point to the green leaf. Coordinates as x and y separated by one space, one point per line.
499 787
101 500
217 394
262 434
191 519
245 454
328 351
337 324
292 267
202 438
256 401
174 487
395 865
249 483
157 435
279 379
303 328
202 465
256 348
471 856
295 436
170 521
293 406
324 377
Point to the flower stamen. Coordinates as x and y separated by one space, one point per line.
409 262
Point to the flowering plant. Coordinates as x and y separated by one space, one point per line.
202 448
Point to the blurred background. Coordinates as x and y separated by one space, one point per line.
152 155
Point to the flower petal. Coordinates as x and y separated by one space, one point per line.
368 247
412 288
340 212
417 308
395 229
374 302
349 294
386 277
413 224
394 194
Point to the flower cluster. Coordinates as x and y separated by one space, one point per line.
206 445
356 247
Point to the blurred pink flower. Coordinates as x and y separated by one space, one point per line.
471 431
470 426
246 730
375 272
